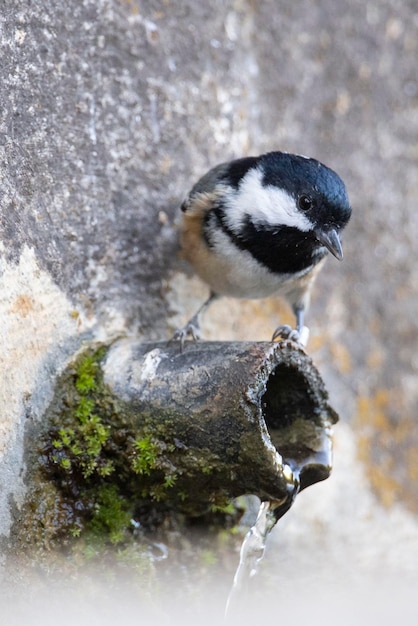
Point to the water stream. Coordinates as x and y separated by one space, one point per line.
253 547
307 460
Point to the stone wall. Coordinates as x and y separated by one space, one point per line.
111 109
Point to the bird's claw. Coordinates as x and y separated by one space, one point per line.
292 334
286 332
191 330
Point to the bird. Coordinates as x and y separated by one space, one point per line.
263 225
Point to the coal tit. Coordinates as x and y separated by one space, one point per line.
259 226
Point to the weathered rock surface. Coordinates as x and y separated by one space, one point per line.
111 109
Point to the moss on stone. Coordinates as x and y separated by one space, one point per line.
103 467
111 518
79 445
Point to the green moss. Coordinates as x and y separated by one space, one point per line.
105 481
103 465
79 445
111 515
150 455
78 453
228 509
145 455
87 371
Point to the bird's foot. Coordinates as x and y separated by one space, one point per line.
292 334
285 332
191 330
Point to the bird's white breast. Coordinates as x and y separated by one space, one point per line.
234 272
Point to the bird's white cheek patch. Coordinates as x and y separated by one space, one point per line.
266 205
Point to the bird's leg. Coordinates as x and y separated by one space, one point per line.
192 328
299 312
300 334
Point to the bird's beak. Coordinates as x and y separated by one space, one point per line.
330 239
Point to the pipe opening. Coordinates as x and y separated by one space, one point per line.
294 420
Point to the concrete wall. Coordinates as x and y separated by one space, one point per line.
111 109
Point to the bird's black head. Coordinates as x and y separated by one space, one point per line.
319 194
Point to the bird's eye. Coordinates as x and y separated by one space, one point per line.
305 203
